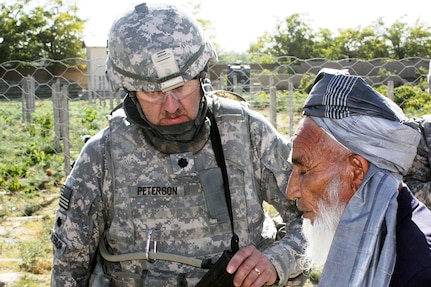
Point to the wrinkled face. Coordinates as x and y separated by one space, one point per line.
317 160
173 107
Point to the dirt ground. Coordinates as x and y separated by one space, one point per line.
25 249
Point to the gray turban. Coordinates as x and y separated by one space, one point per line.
363 120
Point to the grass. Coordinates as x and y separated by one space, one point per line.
25 247
32 171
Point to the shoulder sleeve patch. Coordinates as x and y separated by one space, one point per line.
59 244
66 194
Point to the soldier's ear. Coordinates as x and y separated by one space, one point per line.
358 169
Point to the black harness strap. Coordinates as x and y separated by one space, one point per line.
219 155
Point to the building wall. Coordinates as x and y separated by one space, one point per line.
96 57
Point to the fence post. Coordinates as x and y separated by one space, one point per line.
28 98
291 108
272 102
91 91
391 90
60 98
222 81
237 88
57 122
109 94
64 126
101 92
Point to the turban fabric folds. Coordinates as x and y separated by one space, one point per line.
363 251
364 121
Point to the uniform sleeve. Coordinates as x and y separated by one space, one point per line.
272 153
80 217
418 177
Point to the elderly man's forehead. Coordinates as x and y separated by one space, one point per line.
306 139
307 128
312 137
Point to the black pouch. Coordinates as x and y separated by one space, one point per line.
217 276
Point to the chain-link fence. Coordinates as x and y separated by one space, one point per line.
48 106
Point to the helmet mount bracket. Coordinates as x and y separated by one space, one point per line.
166 67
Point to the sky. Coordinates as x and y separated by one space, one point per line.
239 23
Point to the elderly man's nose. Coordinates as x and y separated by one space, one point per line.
293 190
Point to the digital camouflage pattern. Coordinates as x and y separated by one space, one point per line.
121 186
128 193
147 30
419 176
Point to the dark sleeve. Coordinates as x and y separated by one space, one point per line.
422 279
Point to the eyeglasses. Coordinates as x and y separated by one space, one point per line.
179 93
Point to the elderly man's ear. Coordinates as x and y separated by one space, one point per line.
358 169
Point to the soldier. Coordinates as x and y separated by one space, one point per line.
149 201
419 176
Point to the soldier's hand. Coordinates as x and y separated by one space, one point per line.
252 268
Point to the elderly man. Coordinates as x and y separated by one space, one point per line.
349 155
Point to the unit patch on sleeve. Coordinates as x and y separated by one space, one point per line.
66 194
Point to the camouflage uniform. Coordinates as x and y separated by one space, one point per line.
419 176
121 186
136 178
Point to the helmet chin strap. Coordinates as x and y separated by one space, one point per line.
182 132
169 139
186 131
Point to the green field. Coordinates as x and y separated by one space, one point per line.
32 169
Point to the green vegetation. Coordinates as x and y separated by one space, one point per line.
293 36
26 249
32 165
50 30
32 171
30 161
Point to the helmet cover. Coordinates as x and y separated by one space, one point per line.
156 47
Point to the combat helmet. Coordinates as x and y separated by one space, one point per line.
156 47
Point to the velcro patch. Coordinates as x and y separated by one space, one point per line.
66 194
59 244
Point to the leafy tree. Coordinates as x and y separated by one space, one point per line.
396 34
362 43
371 42
408 41
347 43
294 37
418 40
51 31
324 44
260 51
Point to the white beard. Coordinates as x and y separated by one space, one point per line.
319 235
